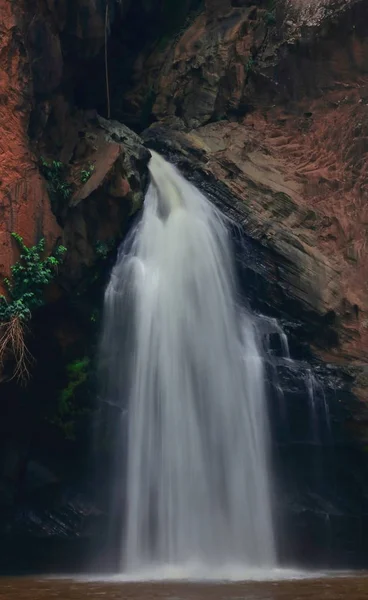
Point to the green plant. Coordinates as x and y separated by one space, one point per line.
87 173
55 174
103 249
25 293
94 316
270 18
249 66
67 410
270 15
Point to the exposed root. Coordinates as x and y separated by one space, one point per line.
12 343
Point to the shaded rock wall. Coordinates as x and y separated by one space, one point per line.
43 47
86 204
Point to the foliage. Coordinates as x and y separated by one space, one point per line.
249 64
94 316
55 174
87 173
270 16
103 249
67 411
29 277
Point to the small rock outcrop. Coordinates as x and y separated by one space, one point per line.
43 48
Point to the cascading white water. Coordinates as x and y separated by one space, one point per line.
183 357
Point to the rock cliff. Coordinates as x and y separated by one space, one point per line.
275 108
263 104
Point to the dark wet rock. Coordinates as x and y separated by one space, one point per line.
99 209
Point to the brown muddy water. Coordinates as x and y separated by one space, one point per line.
329 588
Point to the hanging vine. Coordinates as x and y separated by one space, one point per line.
106 59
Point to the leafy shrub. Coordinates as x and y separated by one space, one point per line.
55 174
87 173
29 277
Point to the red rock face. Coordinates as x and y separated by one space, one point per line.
320 135
303 86
38 118
325 153
24 203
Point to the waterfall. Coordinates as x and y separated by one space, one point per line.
181 358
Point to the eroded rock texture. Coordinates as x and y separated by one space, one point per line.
43 48
100 185
277 113
273 132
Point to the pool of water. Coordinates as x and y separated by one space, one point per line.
327 588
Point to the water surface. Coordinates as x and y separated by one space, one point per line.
344 588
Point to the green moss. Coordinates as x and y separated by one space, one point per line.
69 410
77 369
249 67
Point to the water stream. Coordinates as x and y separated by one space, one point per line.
183 357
